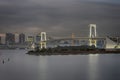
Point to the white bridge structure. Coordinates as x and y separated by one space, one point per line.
92 39
43 40
92 35
42 43
91 42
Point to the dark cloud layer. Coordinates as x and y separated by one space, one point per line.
60 17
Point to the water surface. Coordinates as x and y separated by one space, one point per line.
16 65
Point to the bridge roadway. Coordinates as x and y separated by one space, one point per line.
77 38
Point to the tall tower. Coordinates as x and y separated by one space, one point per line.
21 38
16 37
43 40
10 38
92 35
38 37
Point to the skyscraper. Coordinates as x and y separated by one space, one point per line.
21 38
38 38
2 35
10 38
16 38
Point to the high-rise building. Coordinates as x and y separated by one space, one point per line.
30 39
16 38
38 38
21 38
2 38
10 38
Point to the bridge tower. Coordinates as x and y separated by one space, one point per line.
43 40
92 35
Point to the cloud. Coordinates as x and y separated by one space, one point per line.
59 17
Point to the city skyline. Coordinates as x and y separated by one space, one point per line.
60 17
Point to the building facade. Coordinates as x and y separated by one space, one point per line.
21 38
10 38
30 39
38 38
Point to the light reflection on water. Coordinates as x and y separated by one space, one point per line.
68 67
43 68
93 66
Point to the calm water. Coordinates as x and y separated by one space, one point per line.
16 65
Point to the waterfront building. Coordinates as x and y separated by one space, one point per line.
10 38
16 38
83 42
21 38
2 38
38 38
30 39
100 44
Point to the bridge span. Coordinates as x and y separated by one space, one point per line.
76 38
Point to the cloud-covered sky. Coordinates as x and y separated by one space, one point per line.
60 17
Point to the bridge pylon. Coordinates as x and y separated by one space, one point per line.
43 43
92 35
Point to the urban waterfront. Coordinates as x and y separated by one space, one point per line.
59 40
19 66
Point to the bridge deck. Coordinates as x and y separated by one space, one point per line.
69 38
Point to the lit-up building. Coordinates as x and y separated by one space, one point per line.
2 38
21 38
30 39
10 38
16 38
38 38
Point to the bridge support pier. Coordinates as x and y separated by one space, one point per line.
93 42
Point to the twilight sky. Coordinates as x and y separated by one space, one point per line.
60 17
